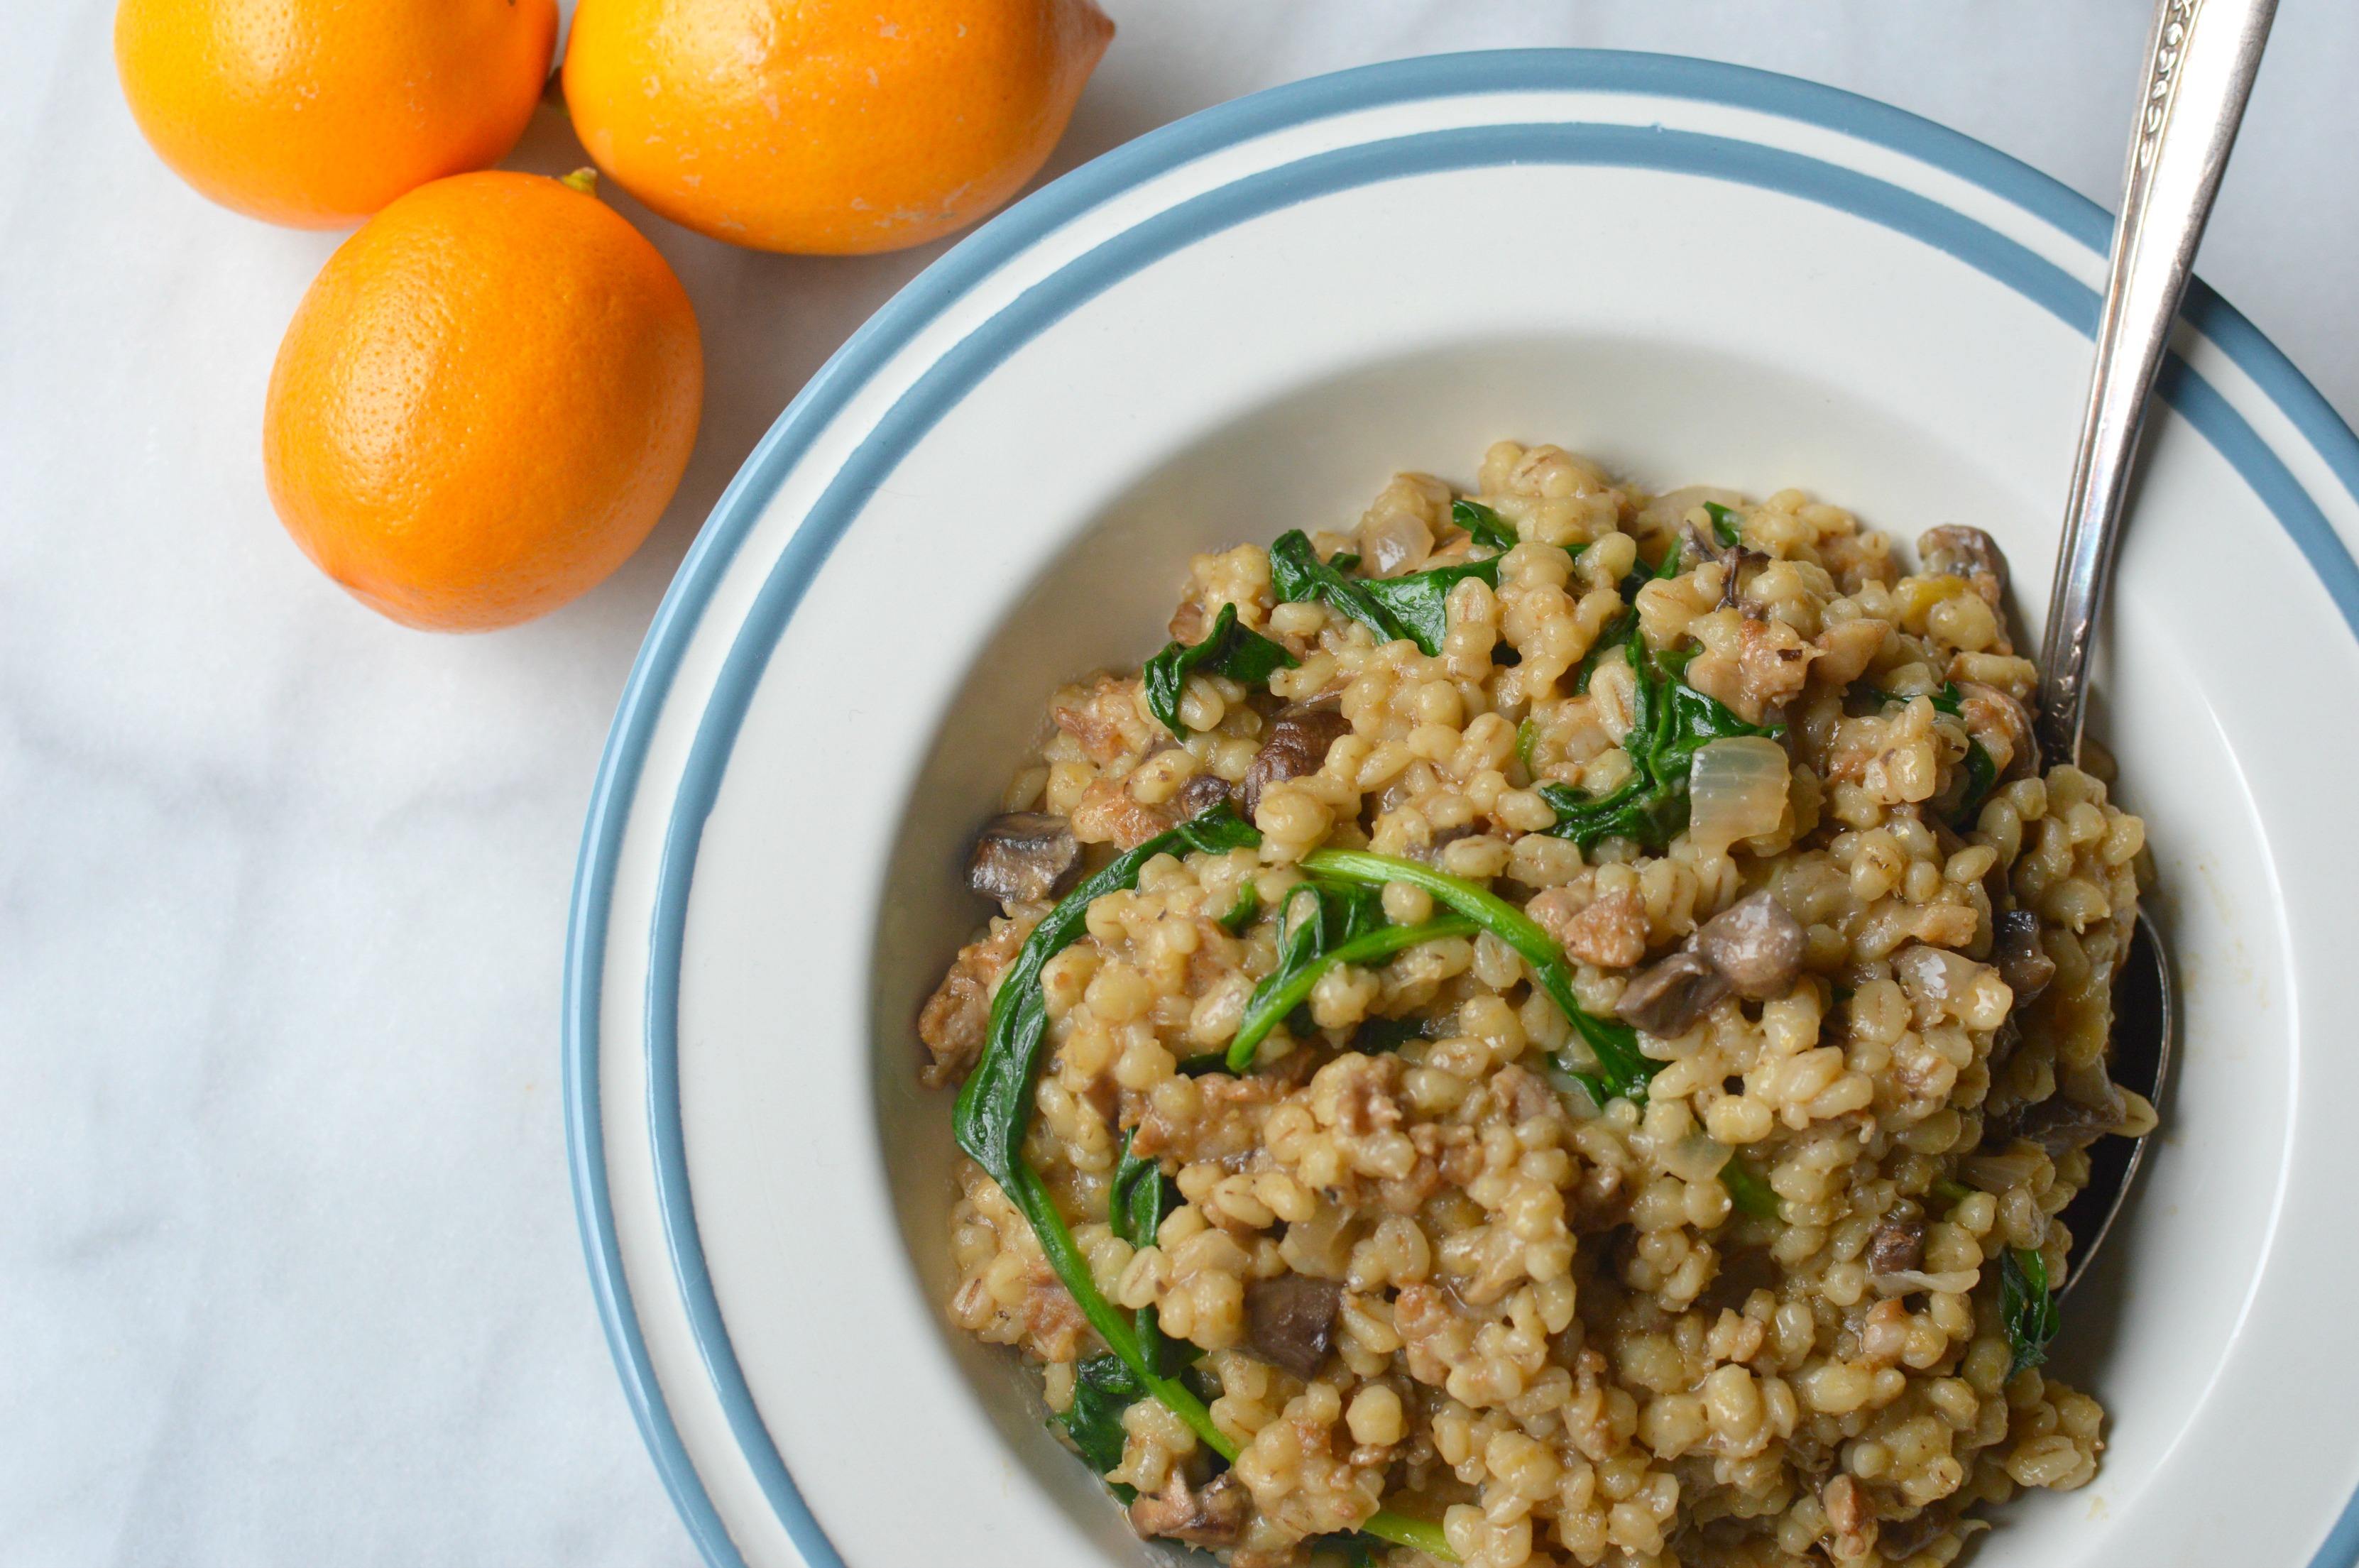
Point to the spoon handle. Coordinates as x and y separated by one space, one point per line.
2198 72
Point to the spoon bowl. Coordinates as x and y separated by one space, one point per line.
2146 1030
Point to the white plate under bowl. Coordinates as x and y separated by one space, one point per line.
1243 324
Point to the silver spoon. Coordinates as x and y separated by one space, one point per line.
2200 71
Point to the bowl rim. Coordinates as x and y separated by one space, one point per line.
976 259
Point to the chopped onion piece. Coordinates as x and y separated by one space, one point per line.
1905 1281
1393 543
1667 512
1695 1159
1736 789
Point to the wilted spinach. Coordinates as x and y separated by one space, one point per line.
1377 1036
1414 608
1141 1196
1241 654
1491 530
1624 629
1746 1190
1421 601
995 1103
1722 529
1326 922
1102 1389
1622 1070
1982 775
993 1107
2027 1307
1289 988
1670 722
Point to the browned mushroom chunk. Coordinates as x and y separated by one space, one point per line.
1671 997
1201 793
2056 1122
1023 857
2022 962
2003 727
1957 551
1899 1539
1442 839
1896 1246
1212 1517
1296 746
1290 1320
1757 944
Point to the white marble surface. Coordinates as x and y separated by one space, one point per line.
288 1270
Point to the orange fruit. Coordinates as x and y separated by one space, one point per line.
317 112
827 127
484 403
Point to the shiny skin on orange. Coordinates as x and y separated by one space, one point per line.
317 112
827 127
484 403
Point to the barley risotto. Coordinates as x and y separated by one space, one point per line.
1553 1028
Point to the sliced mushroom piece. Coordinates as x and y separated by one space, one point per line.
1296 746
1215 1515
1757 944
1896 1246
2021 961
1900 1540
2057 1123
1909 1282
1958 550
2003 725
1442 839
1290 1320
1024 857
1672 996
1200 794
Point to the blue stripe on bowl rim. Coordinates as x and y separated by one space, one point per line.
959 272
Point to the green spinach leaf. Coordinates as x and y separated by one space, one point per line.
1491 530
1412 608
1945 701
1622 1069
1229 649
1670 722
1324 919
1617 633
1102 1389
1297 576
1723 529
1141 1196
1379 1035
1291 983
995 1105
2027 1307
1421 601
1746 1190
1982 776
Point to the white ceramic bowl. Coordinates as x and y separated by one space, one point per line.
1243 323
